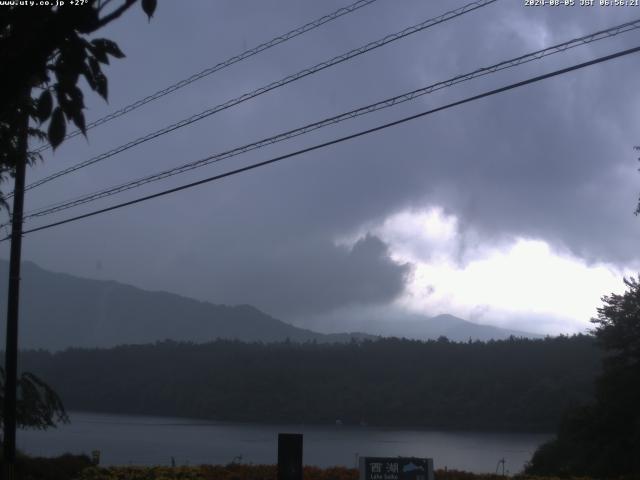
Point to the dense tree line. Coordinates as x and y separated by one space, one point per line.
517 384
602 438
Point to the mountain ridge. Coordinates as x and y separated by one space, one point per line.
60 310
444 325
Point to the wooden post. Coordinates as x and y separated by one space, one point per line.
11 349
289 456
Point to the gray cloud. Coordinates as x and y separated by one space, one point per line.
551 161
293 278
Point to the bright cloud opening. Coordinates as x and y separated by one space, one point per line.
522 283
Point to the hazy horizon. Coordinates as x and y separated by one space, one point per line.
105 313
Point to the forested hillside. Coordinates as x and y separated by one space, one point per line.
60 311
517 384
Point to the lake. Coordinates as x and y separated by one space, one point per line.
141 440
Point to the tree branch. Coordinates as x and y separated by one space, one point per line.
102 4
116 13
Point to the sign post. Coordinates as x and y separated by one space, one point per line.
289 456
396 468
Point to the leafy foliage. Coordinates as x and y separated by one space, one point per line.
517 384
46 50
64 467
603 438
260 472
149 6
38 405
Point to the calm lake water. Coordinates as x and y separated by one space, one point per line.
137 440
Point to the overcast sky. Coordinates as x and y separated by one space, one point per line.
515 210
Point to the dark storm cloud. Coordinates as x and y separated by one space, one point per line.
298 278
551 161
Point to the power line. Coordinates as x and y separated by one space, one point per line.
339 140
389 102
219 66
272 86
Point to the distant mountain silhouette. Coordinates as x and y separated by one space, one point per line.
58 311
454 328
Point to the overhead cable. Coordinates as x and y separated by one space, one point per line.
337 140
383 104
219 66
267 88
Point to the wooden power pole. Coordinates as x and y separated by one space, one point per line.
11 349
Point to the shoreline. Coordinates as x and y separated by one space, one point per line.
197 421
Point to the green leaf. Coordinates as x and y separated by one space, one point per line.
88 21
76 98
67 74
57 128
74 51
88 75
95 67
36 133
99 52
78 119
101 85
45 105
90 70
149 7
39 77
76 105
109 47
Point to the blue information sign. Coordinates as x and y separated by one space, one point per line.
396 468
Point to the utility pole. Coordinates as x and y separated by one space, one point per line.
11 349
